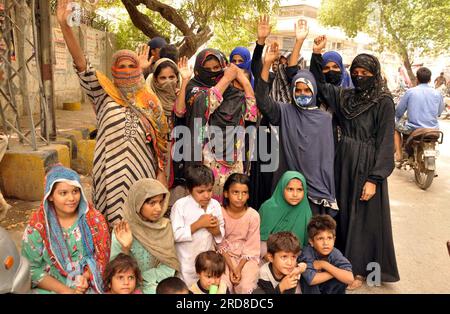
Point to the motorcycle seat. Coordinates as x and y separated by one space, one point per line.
424 134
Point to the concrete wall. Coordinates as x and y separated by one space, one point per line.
98 46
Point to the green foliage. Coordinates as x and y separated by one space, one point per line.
401 25
233 21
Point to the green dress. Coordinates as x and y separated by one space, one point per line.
34 250
151 275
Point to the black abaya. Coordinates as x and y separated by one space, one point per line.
365 153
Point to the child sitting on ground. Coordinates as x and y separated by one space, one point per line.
241 244
122 276
197 220
210 266
145 234
282 273
328 272
172 285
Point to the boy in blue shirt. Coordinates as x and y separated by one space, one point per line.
328 271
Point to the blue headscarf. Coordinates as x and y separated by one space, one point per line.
247 64
333 56
54 231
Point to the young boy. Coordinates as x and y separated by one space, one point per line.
328 272
210 267
282 273
197 220
172 285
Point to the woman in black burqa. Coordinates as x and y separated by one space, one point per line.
364 159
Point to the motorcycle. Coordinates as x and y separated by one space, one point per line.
420 153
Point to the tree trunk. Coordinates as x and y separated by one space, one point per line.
409 70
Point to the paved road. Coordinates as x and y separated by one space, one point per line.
421 225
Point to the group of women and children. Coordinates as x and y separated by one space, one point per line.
236 229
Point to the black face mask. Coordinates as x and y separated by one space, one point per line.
363 83
333 77
208 77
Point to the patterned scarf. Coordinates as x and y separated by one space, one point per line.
129 90
128 80
93 228
280 91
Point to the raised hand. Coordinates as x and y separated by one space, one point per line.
63 12
185 69
142 51
272 53
264 29
320 43
124 235
301 30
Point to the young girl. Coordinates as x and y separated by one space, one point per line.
210 267
122 276
146 234
287 210
241 245
67 240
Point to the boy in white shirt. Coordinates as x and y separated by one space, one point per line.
197 221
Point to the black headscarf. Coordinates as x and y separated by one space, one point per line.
231 110
355 102
204 77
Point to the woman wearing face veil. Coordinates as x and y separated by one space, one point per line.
364 160
219 97
305 139
131 142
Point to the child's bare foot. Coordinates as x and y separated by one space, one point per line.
356 284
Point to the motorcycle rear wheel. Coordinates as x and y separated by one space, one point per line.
424 177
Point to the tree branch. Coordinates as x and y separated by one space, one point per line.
169 14
140 20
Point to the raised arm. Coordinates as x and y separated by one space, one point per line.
263 32
63 14
328 92
301 32
265 103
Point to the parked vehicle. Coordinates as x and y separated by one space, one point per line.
15 274
420 153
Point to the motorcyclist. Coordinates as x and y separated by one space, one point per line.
440 80
424 105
